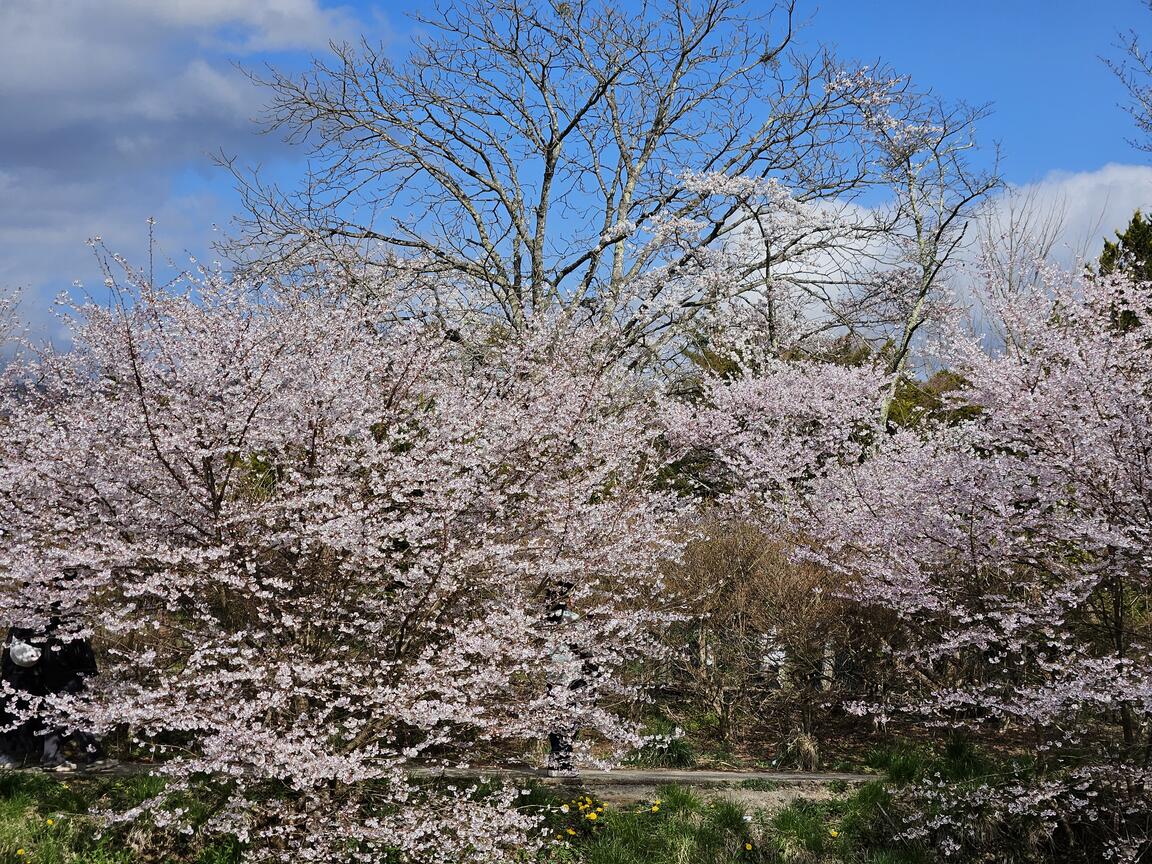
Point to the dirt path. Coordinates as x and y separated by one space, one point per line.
763 790
766 790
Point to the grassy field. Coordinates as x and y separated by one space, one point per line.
47 819
679 827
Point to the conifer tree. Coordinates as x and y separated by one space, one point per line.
1131 252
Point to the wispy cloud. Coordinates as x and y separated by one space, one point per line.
107 105
1089 205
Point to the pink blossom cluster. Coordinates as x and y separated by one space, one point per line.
1011 538
318 545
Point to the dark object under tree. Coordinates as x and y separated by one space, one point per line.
63 664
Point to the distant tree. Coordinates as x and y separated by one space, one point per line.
1131 252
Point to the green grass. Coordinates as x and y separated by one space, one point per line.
46 819
685 829
956 761
857 828
676 828
672 749
674 753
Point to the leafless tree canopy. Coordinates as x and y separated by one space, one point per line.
546 155
1134 69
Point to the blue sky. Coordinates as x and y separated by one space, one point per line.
111 109
1055 104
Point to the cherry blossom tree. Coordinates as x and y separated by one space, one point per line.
1011 543
319 543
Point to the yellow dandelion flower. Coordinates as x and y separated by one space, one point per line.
748 846
832 832
20 852
49 821
655 808
593 816
657 802
572 831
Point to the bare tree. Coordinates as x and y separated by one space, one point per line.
1134 69
926 159
1017 233
886 276
548 155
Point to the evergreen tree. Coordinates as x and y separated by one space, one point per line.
1131 253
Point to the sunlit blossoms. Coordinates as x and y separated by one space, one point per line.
1011 539
319 545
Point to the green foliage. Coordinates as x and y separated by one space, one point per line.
711 362
917 401
675 828
849 350
1131 253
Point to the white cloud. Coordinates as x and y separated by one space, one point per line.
265 25
106 105
79 69
1090 205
